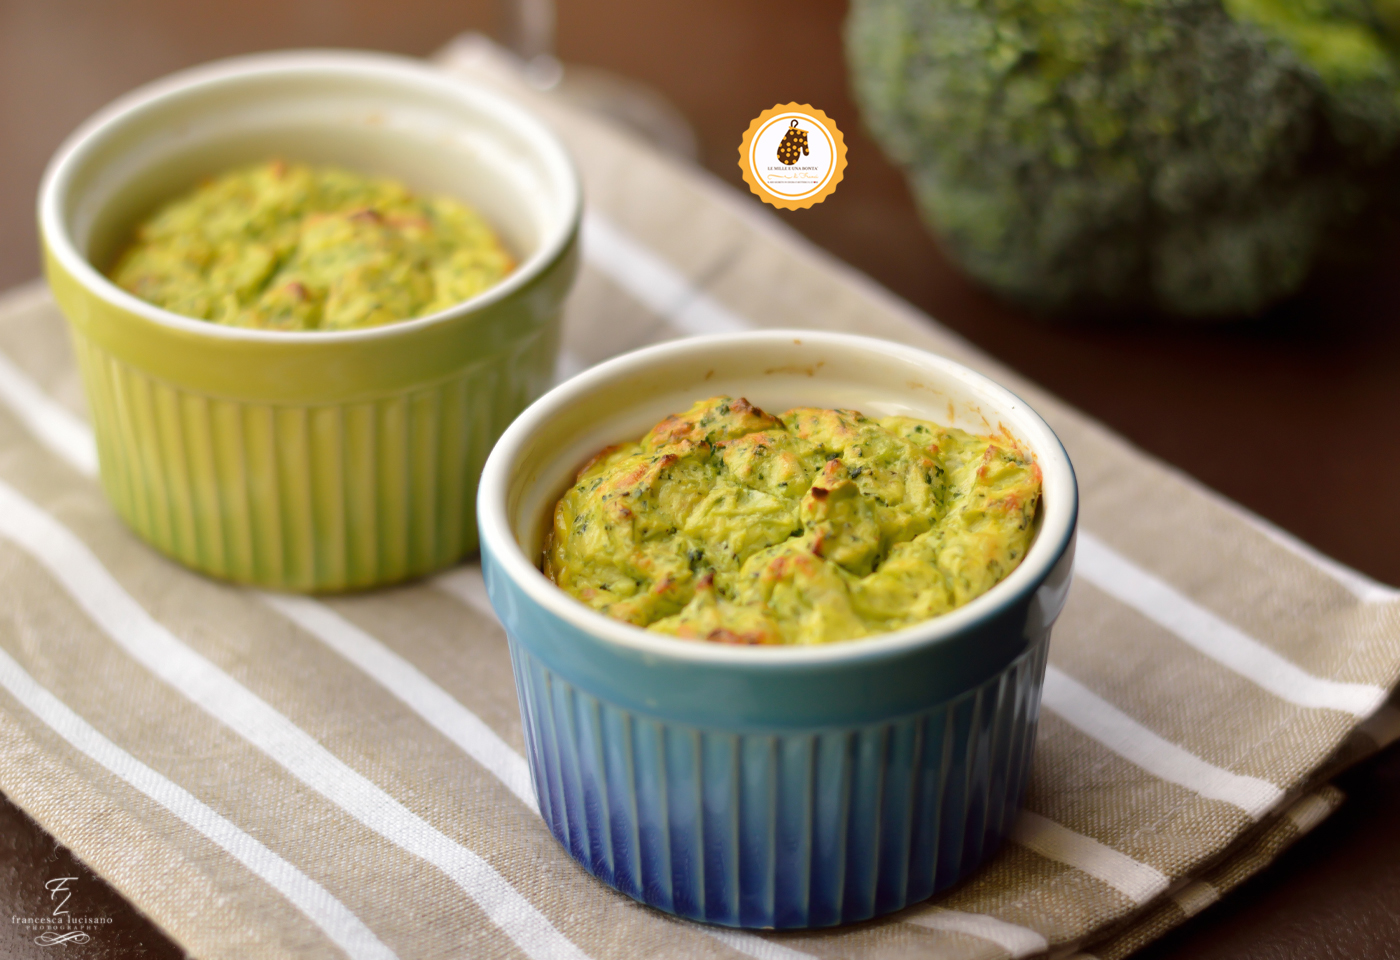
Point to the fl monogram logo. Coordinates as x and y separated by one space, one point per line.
60 928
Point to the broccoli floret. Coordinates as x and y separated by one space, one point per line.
1194 156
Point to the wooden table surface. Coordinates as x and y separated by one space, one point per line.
1293 416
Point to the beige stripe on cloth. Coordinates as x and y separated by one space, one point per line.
267 777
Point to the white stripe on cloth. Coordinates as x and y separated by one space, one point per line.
336 920
1309 812
1383 726
1208 634
1016 940
751 945
1137 881
1195 897
467 587
1354 582
48 420
406 682
1305 814
566 365
653 282
82 575
1094 716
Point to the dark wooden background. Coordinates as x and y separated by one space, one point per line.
1294 415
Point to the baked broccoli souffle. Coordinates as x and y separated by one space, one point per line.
286 246
729 524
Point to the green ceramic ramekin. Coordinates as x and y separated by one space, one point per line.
308 461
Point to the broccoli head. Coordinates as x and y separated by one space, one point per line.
1198 157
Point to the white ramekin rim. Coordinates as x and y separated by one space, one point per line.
1058 526
109 120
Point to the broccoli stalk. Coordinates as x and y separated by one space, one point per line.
1197 157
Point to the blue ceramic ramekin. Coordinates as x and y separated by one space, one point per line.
772 787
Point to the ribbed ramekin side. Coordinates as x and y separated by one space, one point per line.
786 829
307 498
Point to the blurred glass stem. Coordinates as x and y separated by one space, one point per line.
528 30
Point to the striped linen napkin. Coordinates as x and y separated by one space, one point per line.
269 776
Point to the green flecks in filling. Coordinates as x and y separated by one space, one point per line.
726 523
286 246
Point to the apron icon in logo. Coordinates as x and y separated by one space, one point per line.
794 143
